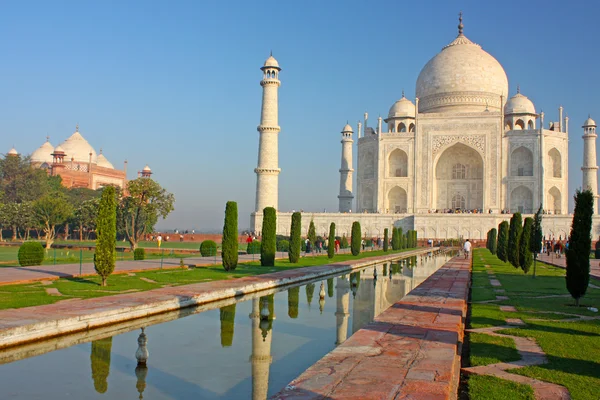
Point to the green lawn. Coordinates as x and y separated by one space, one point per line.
492 388
32 294
572 348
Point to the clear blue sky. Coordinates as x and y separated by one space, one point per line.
176 84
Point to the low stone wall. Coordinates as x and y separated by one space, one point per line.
411 351
18 326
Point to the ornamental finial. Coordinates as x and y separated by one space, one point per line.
460 24
402 93
47 138
77 127
518 89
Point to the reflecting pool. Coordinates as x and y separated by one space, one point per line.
247 348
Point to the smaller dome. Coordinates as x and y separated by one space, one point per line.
519 104
13 152
59 149
147 169
402 108
271 62
43 154
347 128
103 161
589 122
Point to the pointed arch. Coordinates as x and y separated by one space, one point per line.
521 200
521 162
401 127
519 124
411 127
397 200
554 201
398 164
530 124
555 163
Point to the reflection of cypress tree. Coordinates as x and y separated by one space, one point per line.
395 267
413 261
357 275
227 317
293 301
310 291
100 359
385 269
330 287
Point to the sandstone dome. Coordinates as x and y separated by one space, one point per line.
43 154
461 78
103 161
79 149
13 152
519 104
402 108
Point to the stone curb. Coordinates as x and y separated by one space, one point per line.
19 326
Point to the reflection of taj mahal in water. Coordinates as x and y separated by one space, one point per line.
463 146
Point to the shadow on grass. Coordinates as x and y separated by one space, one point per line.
556 330
83 281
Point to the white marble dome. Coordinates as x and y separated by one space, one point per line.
347 128
79 149
402 108
103 161
271 62
589 122
43 154
13 152
519 104
461 78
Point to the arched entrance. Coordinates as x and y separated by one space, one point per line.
459 179
553 199
397 200
521 200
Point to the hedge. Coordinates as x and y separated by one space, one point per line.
283 245
139 254
31 253
208 248
253 247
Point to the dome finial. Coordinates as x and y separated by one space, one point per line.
460 24
77 127
47 138
402 93
518 89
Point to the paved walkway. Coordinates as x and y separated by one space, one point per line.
11 275
562 263
411 351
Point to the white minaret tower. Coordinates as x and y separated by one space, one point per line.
590 169
346 171
267 171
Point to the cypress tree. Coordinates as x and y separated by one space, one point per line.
415 239
409 244
312 233
580 244
535 245
502 250
344 242
356 238
293 301
395 241
100 359
268 245
493 240
401 242
525 256
514 237
331 241
310 292
227 318
386 240
229 246
296 238
106 231
487 240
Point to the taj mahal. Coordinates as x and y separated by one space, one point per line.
457 161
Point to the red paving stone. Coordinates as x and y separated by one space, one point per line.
411 351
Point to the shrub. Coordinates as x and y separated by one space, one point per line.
580 243
269 240
344 242
31 253
253 247
395 239
356 238
296 238
386 239
106 231
514 237
208 248
283 245
331 241
229 251
139 254
525 256
312 233
502 250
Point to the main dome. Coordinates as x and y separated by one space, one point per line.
461 78
79 149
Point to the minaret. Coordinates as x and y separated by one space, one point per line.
267 171
346 170
261 354
589 168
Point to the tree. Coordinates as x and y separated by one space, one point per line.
409 243
401 239
106 231
493 240
296 238
229 250
293 301
502 250
356 238
19 217
268 245
331 241
139 212
525 255
514 237
20 182
386 239
85 215
312 234
227 318
100 359
580 244
52 210
535 245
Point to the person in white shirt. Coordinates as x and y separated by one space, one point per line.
467 248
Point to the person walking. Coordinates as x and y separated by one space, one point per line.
467 248
159 240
